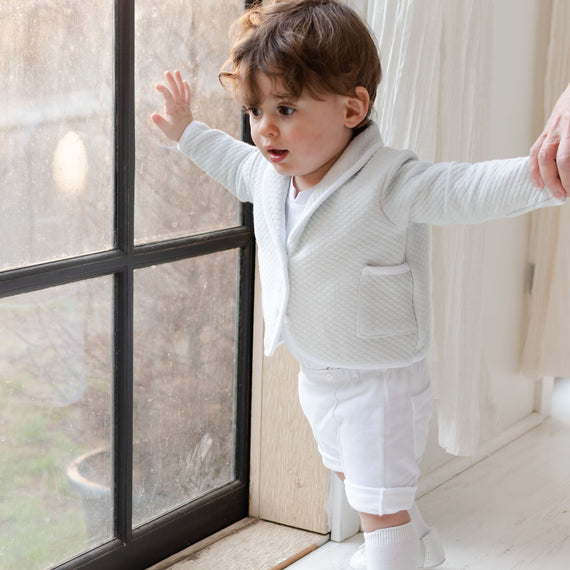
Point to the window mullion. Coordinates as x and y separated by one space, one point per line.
123 406
124 237
124 124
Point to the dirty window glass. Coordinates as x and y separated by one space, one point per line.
56 128
179 199
184 387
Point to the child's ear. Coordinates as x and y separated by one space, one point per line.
357 107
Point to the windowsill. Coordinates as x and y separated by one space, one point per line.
249 544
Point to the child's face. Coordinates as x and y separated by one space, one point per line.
300 137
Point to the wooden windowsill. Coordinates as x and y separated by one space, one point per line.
250 544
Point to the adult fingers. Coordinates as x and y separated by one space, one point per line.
563 154
533 165
554 157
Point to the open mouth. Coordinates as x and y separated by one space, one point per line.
277 154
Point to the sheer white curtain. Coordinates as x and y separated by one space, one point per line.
432 100
436 60
546 349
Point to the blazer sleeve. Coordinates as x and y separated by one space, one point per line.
232 163
460 193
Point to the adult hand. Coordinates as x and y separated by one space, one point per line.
549 163
177 113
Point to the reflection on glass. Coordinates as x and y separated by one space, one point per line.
185 323
56 156
173 197
55 408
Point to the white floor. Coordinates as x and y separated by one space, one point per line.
508 512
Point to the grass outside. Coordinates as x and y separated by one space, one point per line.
41 517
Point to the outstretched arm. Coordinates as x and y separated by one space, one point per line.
550 155
235 164
448 193
177 113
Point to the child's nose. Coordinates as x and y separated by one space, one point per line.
268 126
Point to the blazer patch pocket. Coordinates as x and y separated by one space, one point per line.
385 301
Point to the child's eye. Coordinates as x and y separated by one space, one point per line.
285 110
253 111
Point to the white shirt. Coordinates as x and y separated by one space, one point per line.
295 206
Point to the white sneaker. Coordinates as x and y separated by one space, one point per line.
431 550
430 555
358 559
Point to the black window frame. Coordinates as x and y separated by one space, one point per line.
154 541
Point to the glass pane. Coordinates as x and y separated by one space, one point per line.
56 127
55 417
173 197
185 323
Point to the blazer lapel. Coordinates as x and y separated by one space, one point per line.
274 208
356 155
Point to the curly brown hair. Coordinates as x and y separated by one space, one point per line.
318 45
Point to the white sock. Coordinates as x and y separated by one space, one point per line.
418 521
394 548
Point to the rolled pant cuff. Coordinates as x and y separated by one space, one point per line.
379 501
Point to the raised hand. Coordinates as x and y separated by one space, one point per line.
550 155
177 114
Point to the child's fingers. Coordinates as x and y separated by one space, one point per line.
187 93
173 85
177 113
166 94
179 82
183 87
158 120
161 123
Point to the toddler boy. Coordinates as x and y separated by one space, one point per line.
341 223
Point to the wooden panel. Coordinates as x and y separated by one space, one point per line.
292 481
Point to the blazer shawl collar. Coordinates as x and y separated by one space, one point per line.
351 161
274 196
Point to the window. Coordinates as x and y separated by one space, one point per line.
126 280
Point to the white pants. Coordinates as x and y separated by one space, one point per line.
371 425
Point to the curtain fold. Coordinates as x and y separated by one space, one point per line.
458 252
